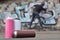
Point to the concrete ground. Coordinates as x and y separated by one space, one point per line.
40 35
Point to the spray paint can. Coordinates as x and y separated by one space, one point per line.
9 27
17 24
24 34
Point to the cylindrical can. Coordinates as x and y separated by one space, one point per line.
9 27
17 24
24 34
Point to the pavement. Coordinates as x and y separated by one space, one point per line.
40 35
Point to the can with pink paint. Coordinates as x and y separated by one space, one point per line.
9 27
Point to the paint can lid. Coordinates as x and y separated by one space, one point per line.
9 17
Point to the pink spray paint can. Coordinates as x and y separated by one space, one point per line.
9 27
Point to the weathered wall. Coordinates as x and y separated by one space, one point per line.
23 0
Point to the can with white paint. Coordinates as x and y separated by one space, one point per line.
17 24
